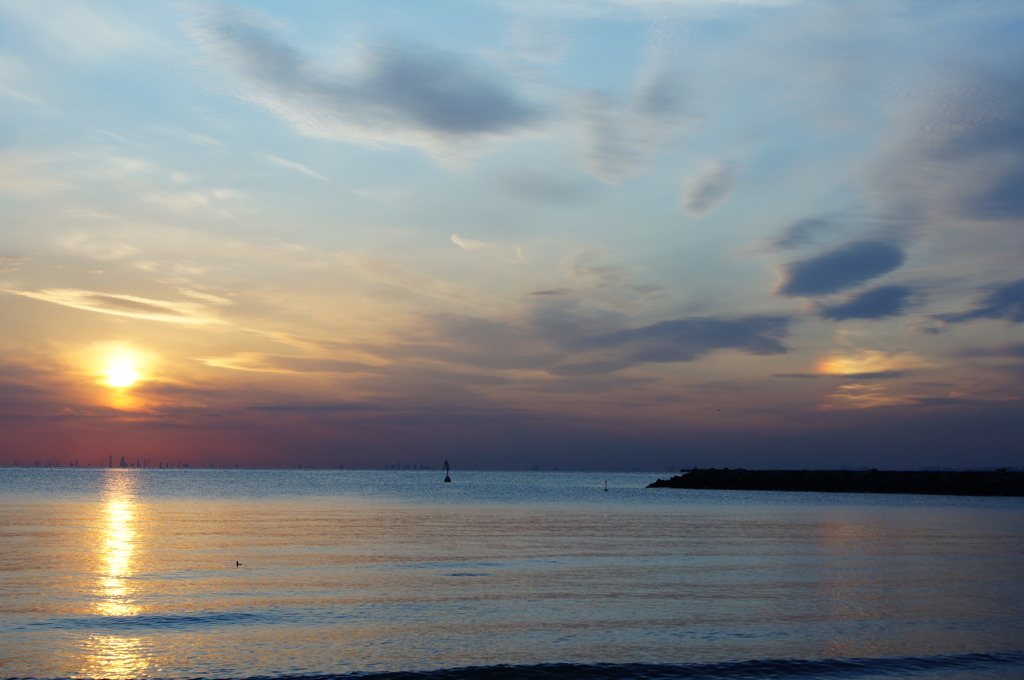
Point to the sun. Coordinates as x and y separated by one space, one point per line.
121 372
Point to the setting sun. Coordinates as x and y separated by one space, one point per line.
121 372
119 365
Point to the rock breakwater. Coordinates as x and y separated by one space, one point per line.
941 482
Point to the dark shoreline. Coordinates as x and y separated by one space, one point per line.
935 482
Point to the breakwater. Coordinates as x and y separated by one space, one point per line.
941 482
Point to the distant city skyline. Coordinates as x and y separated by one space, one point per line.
611 235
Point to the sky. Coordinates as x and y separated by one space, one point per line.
575 234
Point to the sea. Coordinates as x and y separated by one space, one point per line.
395 574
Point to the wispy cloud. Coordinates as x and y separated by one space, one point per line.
710 188
876 303
285 163
440 102
10 263
467 244
280 363
620 136
1004 301
804 232
27 175
187 311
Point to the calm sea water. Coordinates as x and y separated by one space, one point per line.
125 573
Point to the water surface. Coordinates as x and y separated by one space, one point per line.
122 573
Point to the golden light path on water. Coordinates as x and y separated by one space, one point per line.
116 656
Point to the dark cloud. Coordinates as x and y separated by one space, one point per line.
393 95
561 339
1010 351
803 232
876 303
1006 301
563 322
710 188
839 269
689 338
437 91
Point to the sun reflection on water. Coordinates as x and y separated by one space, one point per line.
113 656
116 656
118 546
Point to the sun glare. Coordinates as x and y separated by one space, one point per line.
119 365
121 372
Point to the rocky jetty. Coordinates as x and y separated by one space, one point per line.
953 483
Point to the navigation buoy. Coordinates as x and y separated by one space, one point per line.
447 477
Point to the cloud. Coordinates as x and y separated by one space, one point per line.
1006 301
316 408
706 191
80 31
588 270
483 343
961 152
676 340
24 175
857 395
619 136
439 102
866 375
840 268
876 303
285 163
563 341
545 188
215 201
981 128
10 263
1008 351
183 312
467 244
869 364
280 363
803 232
551 292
